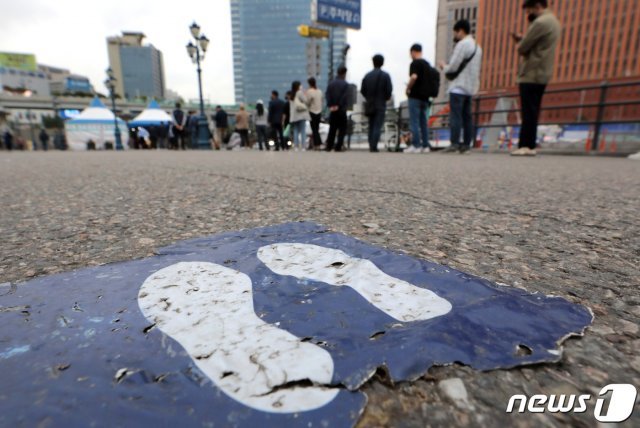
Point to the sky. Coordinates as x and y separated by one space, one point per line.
72 34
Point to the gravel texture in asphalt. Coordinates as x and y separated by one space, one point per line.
567 226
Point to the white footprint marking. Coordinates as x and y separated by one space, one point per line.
398 299
208 309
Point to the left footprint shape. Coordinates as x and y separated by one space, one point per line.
208 309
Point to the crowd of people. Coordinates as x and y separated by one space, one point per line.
287 118
282 123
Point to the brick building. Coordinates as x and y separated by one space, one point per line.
600 42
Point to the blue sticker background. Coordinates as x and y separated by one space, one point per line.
65 337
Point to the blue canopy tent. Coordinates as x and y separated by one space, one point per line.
152 116
95 123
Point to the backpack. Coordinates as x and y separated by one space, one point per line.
433 82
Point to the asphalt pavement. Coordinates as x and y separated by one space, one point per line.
565 226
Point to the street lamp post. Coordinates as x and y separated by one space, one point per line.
197 53
110 83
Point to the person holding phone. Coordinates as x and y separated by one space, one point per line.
538 50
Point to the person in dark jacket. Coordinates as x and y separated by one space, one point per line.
44 139
377 90
337 101
180 120
276 118
221 120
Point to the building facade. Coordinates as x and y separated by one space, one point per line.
599 43
268 52
19 74
450 12
138 68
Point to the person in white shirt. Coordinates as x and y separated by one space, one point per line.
463 72
314 96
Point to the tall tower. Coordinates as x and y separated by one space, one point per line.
138 68
269 54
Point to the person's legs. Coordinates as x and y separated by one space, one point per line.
414 122
342 129
455 119
467 123
376 122
424 130
302 128
278 135
315 128
531 101
333 128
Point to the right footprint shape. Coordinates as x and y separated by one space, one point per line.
395 297
208 309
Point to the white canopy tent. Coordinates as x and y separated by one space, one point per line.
95 123
152 116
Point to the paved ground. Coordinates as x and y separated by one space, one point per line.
558 225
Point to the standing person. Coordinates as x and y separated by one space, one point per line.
299 116
538 50
261 125
419 91
44 139
221 120
276 118
377 90
314 95
464 73
192 130
179 127
7 138
337 101
242 125
163 135
286 120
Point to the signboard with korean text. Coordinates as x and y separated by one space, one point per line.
342 13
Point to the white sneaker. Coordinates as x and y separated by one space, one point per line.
524 151
635 157
412 150
425 150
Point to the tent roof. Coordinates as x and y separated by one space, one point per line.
96 113
153 115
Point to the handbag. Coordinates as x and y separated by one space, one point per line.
453 75
287 131
299 105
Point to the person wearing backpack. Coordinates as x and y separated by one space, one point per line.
463 71
423 85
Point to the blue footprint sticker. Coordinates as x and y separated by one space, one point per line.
278 326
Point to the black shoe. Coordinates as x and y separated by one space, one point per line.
451 149
464 150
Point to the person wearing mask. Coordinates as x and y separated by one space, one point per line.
299 116
538 50
261 125
221 120
418 93
314 96
242 125
337 101
180 120
377 90
276 118
464 73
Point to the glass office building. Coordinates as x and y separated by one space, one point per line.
268 52
138 68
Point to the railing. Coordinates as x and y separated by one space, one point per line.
602 93
594 108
